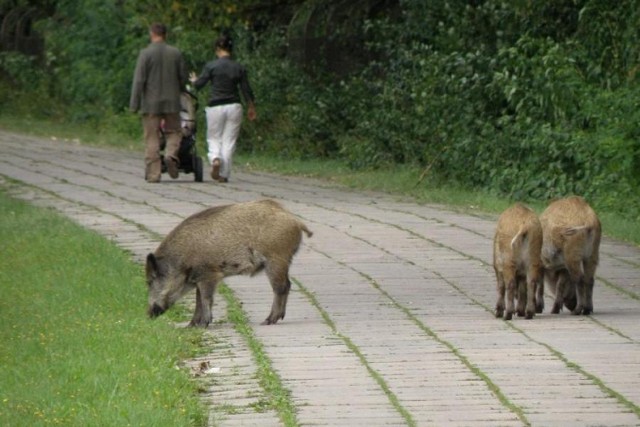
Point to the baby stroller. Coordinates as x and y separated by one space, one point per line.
190 162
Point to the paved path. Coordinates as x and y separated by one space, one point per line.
390 318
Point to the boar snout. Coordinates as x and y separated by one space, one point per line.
155 310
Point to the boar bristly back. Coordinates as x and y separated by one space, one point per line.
243 238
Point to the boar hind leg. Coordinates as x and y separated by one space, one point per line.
521 288
205 289
577 283
539 284
528 295
511 291
589 273
279 279
500 287
561 281
535 292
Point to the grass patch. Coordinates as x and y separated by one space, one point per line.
116 132
77 348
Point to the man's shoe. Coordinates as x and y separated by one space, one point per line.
215 169
172 167
223 179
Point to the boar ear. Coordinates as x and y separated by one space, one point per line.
152 265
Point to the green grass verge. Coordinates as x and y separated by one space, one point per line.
113 133
407 181
77 348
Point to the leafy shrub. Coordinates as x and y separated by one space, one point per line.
532 100
89 59
24 88
296 119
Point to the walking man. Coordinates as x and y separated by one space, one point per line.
158 80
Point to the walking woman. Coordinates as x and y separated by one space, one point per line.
228 80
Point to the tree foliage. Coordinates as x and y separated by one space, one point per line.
532 99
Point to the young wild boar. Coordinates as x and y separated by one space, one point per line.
222 241
516 261
570 250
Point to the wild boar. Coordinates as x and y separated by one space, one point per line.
570 251
222 241
516 261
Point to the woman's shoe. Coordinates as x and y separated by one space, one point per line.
215 169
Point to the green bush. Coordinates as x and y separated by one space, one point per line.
89 58
295 118
24 89
528 99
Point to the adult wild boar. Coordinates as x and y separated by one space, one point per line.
223 241
570 251
516 261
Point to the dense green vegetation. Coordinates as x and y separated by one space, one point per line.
77 348
529 100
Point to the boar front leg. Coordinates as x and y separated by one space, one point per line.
205 290
197 315
279 279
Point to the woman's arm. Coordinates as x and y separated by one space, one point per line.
199 81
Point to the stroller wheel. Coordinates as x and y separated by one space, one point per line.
197 168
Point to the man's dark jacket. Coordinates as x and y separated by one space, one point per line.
158 80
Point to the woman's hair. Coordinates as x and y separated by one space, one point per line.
224 42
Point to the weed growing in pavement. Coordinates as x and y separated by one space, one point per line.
478 372
355 350
277 397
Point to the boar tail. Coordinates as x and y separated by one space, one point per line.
521 235
591 235
304 228
570 231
